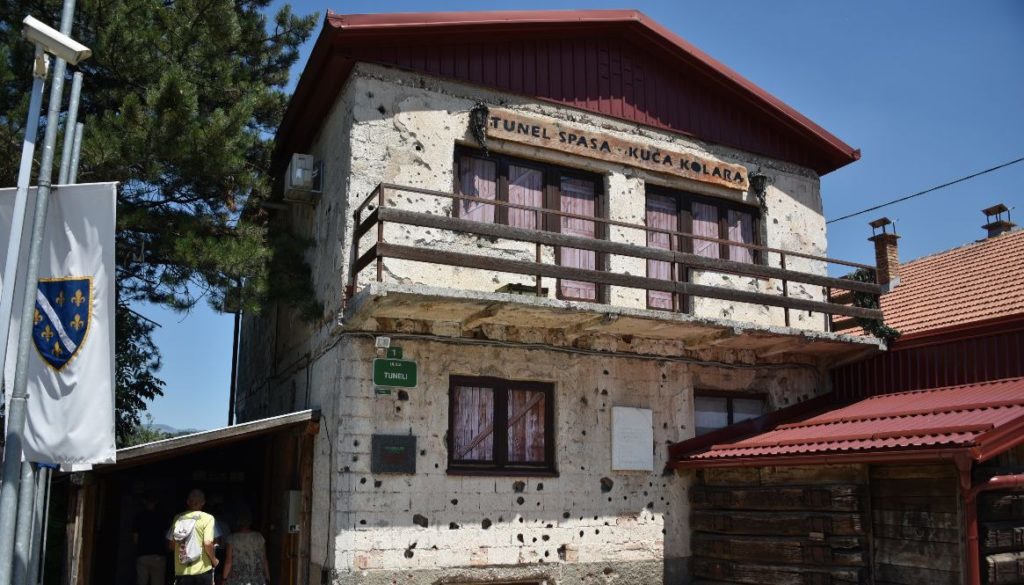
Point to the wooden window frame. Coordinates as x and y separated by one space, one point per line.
500 464
685 201
551 200
730 410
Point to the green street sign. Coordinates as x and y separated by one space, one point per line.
395 353
394 373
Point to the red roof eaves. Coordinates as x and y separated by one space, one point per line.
988 440
342 28
918 455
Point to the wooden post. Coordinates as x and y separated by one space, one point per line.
538 278
785 286
380 236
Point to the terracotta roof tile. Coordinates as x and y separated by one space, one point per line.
979 281
955 417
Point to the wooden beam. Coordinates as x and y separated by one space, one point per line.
477 318
432 256
604 246
784 346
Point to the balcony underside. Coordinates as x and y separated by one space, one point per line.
393 307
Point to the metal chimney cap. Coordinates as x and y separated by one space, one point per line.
880 222
995 209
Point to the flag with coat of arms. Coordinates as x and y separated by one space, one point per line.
70 411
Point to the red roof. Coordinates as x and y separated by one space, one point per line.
979 281
977 421
617 63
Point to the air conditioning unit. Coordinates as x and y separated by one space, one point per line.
304 178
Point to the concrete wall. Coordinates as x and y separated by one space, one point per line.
403 128
556 528
390 126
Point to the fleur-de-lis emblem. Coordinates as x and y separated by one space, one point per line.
47 333
77 323
37 318
78 299
60 299
57 351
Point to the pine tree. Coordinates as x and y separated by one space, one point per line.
180 103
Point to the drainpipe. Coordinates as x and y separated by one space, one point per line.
970 494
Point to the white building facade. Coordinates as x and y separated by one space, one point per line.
496 403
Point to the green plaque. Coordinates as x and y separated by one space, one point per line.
394 373
395 353
382 391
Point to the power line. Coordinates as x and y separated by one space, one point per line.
936 188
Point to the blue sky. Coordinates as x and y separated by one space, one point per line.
929 91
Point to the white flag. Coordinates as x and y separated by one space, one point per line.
70 416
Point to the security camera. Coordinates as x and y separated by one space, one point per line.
55 42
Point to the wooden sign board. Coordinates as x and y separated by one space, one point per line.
636 153
632 439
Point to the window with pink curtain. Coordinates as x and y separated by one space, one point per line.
705 223
477 178
473 420
578 197
498 424
525 187
526 426
741 229
662 213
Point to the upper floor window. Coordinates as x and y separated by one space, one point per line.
500 425
703 217
673 211
537 186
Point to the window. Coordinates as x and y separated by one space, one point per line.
528 183
710 218
499 425
713 411
682 212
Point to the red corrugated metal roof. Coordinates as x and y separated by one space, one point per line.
976 420
617 63
971 283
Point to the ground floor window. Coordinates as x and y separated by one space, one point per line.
716 410
500 425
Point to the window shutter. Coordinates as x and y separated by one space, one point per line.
477 178
578 197
525 187
474 424
661 214
741 229
705 223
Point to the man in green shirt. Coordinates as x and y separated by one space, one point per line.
200 571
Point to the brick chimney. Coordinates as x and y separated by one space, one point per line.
887 257
996 223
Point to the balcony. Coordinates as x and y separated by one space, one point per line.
411 260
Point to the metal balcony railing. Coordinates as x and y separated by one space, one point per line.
381 207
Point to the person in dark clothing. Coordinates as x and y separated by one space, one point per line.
150 547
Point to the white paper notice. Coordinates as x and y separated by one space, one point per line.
632 439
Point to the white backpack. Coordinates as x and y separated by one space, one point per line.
186 540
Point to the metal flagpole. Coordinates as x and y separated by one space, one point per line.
28 148
76 150
23 534
40 515
9 493
28 533
69 129
17 406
